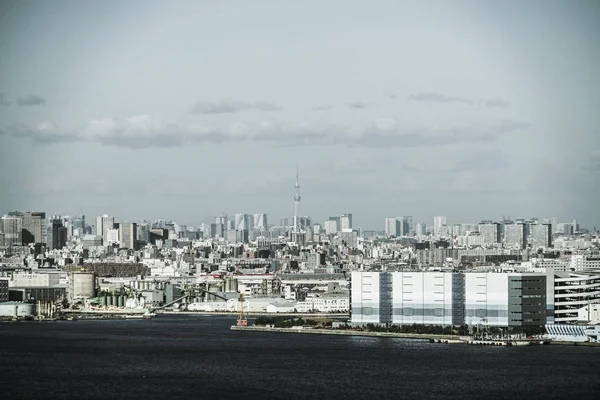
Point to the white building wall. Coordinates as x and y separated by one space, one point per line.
486 299
365 297
422 298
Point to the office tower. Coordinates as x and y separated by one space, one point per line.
514 236
409 225
143 233
13 230
540 236
421 229
404 225
490 232
112 237
103 224
392 226
57 234
438 222
260 221
79 222
128 235
346 221
331 226
243 222
304 223
285 222
34 227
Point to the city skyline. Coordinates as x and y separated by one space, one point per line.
401 108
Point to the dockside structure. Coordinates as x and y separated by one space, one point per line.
445 298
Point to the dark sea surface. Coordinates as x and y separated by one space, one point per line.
194 357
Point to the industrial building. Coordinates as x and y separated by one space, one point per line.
445 298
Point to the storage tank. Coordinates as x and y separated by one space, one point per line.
121 302
82 285
115 300
109 300
103 300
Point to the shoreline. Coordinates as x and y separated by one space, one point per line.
321 331
452 339
257 314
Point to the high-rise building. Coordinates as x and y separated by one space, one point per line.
438 222
57 234
421 229
34 227
392 226
304 223
490 232
243 222
103 224
540 235
404 224
112 237
514 236
285 222
128 235
346 221
260 221
331 226
143 233
79 222
12 227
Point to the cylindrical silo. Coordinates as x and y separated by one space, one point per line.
121 302
109 300
82 285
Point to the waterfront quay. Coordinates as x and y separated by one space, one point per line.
432 338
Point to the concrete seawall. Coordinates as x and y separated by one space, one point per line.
345 332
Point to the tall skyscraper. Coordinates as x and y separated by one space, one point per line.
421 229
128 235
12 227
34 227
103 224
260 221
243 222
392 226
57 234
438 222
346 221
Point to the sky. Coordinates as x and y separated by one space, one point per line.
184 110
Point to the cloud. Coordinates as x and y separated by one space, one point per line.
44 132
322 108
495 103
31 100
145 131
228 106
432 97
391 96
3 101
357 105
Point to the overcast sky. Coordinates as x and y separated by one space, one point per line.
183 110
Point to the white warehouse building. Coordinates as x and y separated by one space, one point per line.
443 298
